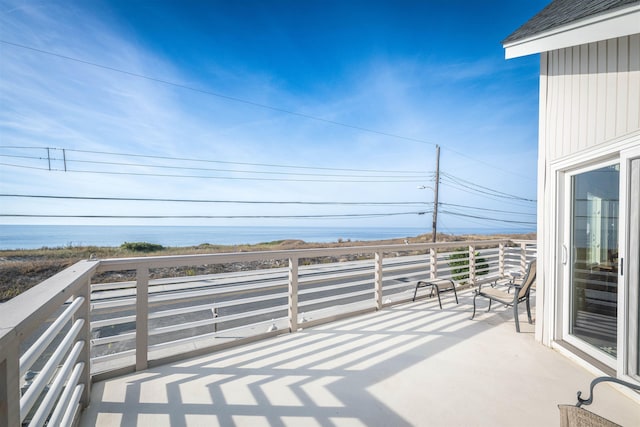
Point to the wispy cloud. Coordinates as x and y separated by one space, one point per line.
55 102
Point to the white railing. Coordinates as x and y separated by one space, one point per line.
60 350
58 336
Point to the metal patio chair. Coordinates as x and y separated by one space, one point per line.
576 416
440 285
521 294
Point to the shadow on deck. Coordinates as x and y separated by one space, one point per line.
407 365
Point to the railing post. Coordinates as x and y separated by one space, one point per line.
378 280
472 265
433 263
293 294
10 385
523 257
84 312
501 260
142 318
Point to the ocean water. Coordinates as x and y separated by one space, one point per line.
53 236
38 236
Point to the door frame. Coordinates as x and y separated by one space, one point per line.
566 198
552 235
628 335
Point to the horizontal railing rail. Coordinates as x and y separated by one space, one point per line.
58 336
64 378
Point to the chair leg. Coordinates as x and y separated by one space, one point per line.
474 306
489 309
416 291
515 315
454 292
438 294
529 310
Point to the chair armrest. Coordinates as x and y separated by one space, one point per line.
598 380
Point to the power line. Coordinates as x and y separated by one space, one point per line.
97 162
242 163
483 224
476 187
24 166
328 216
491 165
487 209
159 175
203 161
489 219
252 202
235 170
500 200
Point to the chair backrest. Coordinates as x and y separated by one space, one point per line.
572 416
529 279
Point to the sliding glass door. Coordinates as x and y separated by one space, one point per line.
599 261
593 264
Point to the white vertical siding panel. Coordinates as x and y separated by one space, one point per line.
558 135
593 95
622 89
567 77
552 123
583 108
562 100
633 114
576 99
543 305
612 84
601 88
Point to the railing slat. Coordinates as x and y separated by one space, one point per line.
49 369
293 294
37 348
113 356
85 357
72 408
335 298
50 398
378 280
65 397
142 318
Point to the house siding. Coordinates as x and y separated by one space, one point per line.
592 95
589 101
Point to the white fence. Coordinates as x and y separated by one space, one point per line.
69 330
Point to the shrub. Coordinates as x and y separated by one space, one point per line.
460 265
141 247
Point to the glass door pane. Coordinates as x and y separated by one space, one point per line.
594 258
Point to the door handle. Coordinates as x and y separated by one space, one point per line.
564 255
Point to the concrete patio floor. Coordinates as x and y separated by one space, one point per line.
407 365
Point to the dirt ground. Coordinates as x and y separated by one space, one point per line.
23 269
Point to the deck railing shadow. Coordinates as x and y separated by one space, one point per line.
319 376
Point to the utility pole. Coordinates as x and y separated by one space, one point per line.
435 196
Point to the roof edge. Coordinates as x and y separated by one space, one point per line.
618 23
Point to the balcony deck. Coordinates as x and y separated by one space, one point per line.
407 365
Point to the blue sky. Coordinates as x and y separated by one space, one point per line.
335 104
